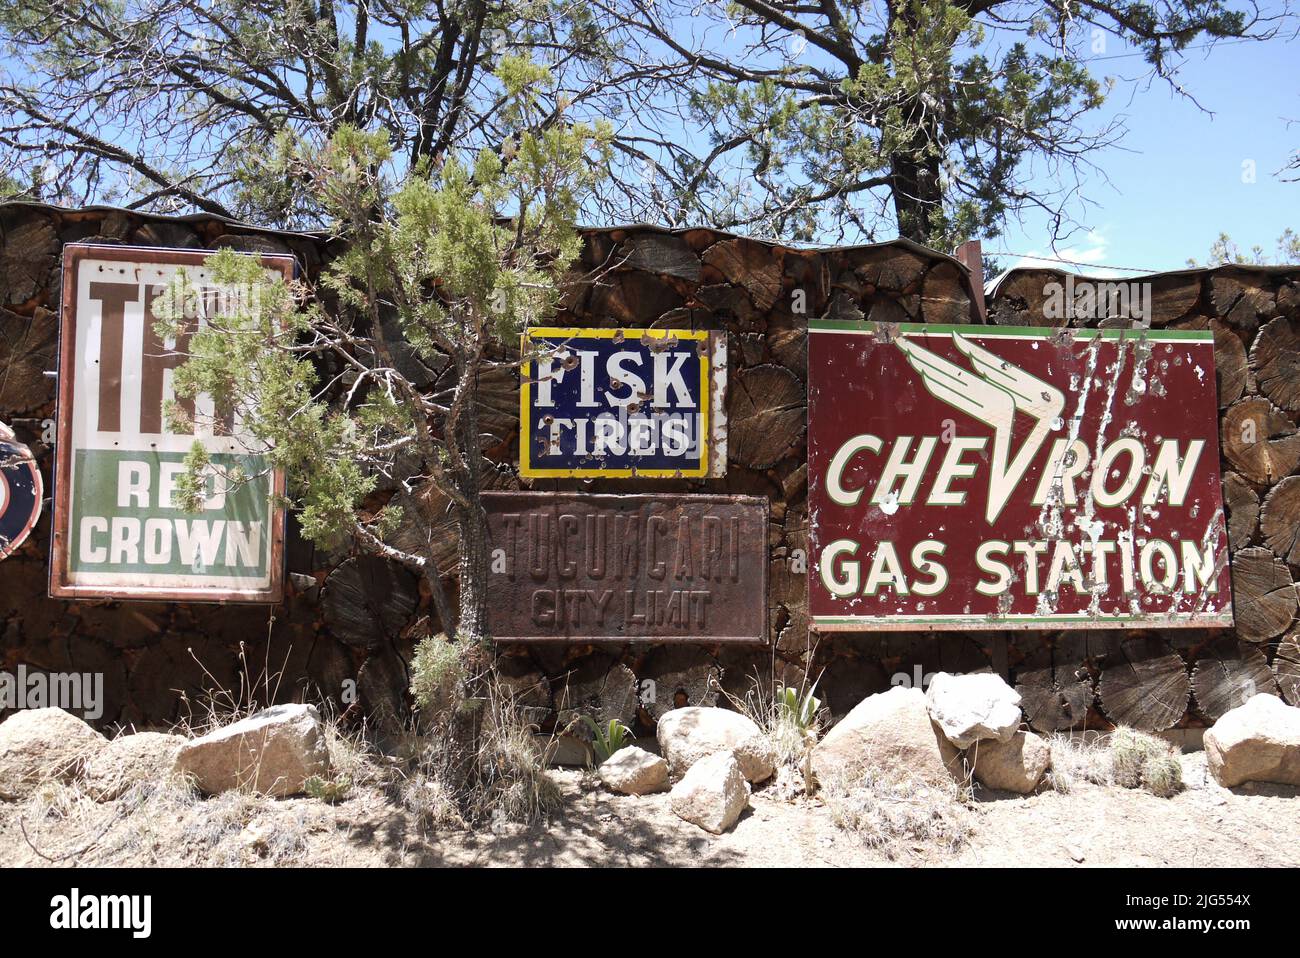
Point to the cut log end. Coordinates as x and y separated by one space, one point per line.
1286 667
1242 506
1228 675
1144 685
369 599
1280 520
1263 594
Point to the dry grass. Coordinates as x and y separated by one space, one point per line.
1124 757
1076 760
474 761
64 823
437 676
897 815
218 707
168 823
789 739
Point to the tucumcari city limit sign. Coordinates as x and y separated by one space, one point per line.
117 530
1003 477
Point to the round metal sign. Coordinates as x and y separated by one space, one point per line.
21 492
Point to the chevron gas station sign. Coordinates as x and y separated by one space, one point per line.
999 477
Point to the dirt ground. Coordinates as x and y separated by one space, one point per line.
1204 825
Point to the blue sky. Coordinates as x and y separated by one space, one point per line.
1177 181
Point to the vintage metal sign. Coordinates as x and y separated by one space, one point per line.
117 531
995 477
21 492
572 566
623 402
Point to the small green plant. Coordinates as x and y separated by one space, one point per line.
606 739
1139 760
1162 775
799 708
326 790
437 674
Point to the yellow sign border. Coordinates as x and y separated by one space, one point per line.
569 332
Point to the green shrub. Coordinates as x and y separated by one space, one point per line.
1139 760
326 790
437 675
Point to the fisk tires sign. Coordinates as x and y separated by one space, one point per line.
986 477
118 530
615 403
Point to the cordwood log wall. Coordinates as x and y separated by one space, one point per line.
351 622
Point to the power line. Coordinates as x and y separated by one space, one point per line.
1195 46
1138 53
1073 262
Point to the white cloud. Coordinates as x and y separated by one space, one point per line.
1079 258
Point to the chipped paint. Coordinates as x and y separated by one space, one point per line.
1075 472
623 403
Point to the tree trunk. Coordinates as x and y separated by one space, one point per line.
29 255
918 195
27 349
943 296
472 627
1055 687
1259 440
368 599
1275 361
768 416
682 675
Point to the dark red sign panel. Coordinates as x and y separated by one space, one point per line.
996 477
573 566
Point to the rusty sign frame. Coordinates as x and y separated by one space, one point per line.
744 588
60 586
713 402
1222 617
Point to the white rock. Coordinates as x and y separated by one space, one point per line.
272 752
1017 765
971 708
1255 742
634 771
712 793
129 760
688 734
891 732
41 744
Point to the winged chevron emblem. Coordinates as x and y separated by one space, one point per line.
991 394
